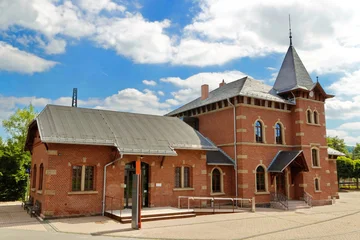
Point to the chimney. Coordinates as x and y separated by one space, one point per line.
204 91
222 83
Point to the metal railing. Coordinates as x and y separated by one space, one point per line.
280 198
215 202
110 206
308 199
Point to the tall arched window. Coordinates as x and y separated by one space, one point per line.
41 176
260 179
216 181
278 134
34 177
316 117
258 132
317 185
315 157
308 116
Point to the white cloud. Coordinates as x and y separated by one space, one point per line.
135 37
95 6
55 46
133 100
348 138
14 60
190 88
149 82
160 93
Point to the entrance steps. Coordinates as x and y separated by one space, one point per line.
292 205
152 214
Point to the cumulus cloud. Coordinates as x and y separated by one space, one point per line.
95 6
149 82
14 60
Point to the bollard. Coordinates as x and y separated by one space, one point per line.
253 204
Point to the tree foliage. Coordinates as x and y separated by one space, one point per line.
345 167
337 144
356 151
14 161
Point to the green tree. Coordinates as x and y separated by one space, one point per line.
357 172
356 152
17 124
345 167
337 144
14 161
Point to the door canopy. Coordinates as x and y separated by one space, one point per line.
283 159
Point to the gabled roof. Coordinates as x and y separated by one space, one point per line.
285 158
292 74
335 152
244 87
131 133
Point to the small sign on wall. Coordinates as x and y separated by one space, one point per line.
158 184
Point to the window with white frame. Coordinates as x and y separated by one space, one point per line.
315 157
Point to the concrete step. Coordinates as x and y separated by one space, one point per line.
163 217
292 205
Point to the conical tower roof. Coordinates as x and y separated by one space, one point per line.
293 74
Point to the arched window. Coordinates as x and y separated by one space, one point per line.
216 181
278 134
260 179
317 185
34 177
258 132
316 117
315 157
308 116
41 176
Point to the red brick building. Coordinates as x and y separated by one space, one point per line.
243 139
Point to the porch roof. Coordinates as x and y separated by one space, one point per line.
130 133
285 158
219 158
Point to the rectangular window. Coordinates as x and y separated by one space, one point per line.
315 157
178 177
186 177
41 177
182 177
89 178
76 178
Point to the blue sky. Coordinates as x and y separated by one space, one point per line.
152 56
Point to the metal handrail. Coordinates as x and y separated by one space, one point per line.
111 203
213 199
308 199
280 198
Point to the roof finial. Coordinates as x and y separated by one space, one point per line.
290 31
317 78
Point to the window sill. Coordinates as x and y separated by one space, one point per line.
315 167
82 192
314 124
262 193
183 189
33 189
318 191
217 193
39 191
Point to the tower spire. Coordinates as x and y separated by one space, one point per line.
290 31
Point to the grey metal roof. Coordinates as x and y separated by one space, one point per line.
244 87
292 74
335 152
284 159
131 133
219 158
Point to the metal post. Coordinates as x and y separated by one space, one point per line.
253 204
138 172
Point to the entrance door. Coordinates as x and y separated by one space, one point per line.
280 183
129 172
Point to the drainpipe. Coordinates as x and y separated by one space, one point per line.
235 152
104 187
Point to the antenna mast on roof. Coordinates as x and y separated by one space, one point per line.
74 98
290 36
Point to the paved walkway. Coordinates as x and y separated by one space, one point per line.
339 221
